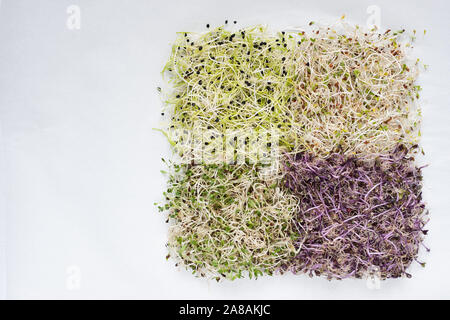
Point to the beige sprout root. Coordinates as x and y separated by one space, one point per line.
354 94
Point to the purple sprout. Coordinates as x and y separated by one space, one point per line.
356 215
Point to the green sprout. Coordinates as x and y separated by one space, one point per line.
229 221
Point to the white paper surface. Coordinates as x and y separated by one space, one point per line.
80 168
3 272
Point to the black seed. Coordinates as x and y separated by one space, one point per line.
235 22
207 25
200 48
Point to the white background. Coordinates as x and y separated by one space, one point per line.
79 161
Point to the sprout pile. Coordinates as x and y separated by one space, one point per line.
344 196
356 215
230 220
353 94
325 92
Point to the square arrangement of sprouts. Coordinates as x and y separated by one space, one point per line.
344 195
